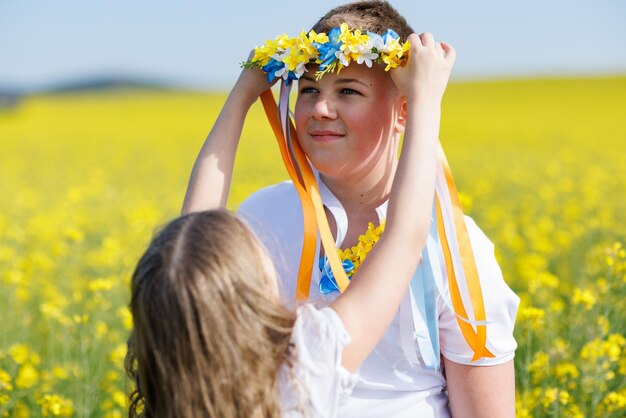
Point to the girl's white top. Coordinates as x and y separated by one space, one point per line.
315 384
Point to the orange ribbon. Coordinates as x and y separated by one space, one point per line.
312 207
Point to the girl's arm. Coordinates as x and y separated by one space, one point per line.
212 172
374 295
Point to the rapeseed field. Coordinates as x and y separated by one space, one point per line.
85 178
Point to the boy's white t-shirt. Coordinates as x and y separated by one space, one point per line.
315 384
388 385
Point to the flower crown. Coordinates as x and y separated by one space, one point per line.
286 57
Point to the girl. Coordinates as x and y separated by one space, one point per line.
211 337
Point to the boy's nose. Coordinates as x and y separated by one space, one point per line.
324 109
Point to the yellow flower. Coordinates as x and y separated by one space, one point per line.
320 38
27 377
553 395
603 323
119 398
98 285
59 372
359 252
118 354
533 316
21 410
55 405
5 381
263 53
584 297
539 366
615 401
566 371
19 353
305 47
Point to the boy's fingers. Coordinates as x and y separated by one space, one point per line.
427 39
449 50
415 40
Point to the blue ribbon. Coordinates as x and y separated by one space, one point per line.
424 291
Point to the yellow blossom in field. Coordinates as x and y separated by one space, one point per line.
622 366
5 381
119 398
113 414
531 315
21 410
603 285
117 355
126 317
55 405
557 305
552 395
99 285
584 297
74 234
20 354
80 319
59 372
603 323
566 371
539 366
615 401
544 280
27 377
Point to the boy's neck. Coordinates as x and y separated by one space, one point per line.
363 192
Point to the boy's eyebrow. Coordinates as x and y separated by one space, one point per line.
337 81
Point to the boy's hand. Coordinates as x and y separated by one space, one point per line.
252 82
428 69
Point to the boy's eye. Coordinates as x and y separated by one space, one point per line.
304 90
346 90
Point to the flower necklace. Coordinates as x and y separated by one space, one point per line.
351 258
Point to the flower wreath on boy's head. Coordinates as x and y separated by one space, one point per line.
286 58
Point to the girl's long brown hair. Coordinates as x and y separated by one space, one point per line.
208 335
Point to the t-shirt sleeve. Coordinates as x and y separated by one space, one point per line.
501 305
323 384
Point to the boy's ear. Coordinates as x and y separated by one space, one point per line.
401 121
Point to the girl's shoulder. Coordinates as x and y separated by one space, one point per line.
313 379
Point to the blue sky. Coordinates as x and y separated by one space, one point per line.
199 43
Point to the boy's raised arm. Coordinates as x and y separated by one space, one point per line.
372 299
212 171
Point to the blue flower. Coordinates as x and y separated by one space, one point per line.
390 33
271 67
328 284
328 50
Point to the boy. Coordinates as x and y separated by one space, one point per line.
349 125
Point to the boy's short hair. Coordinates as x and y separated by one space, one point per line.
369 15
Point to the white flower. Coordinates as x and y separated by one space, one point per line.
300 69
376 41
366 58
343 58
283 72
366 55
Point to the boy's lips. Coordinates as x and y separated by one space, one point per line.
325 135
